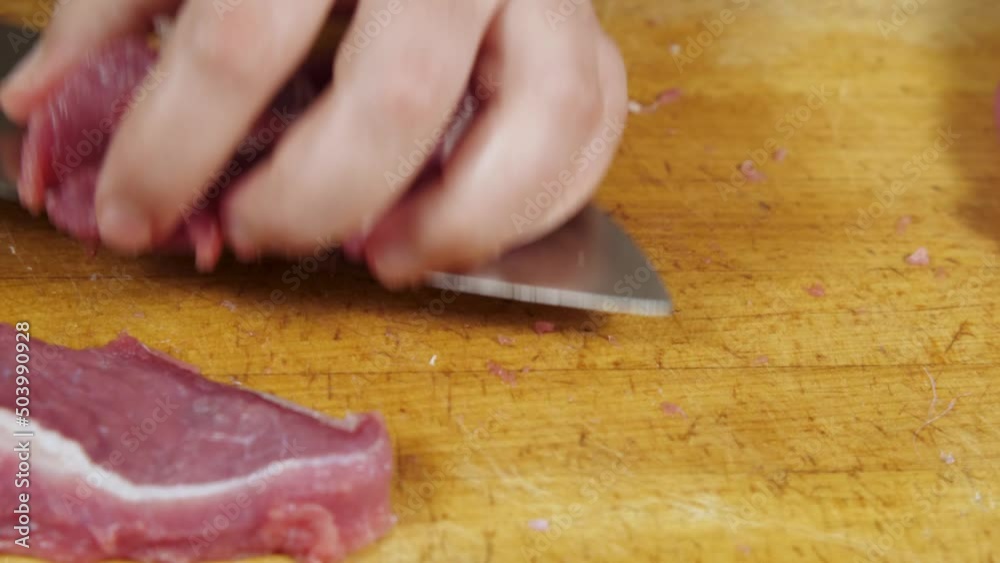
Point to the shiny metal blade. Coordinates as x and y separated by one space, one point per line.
590 263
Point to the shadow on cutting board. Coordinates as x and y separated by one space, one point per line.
969 110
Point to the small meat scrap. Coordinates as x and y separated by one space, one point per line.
750 172
670 409
761 360
544 327
505 340
947 458
816 290
229 305
903 223
508 377
920 257
780 154
668 96
539 524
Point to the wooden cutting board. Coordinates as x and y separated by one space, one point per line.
800 430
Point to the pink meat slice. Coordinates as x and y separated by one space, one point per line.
68 137
135 456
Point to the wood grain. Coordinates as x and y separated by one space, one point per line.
798 439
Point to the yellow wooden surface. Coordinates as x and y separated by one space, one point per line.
813 455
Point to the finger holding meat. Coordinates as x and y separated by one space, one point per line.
233 64
79 29
338 170
546 135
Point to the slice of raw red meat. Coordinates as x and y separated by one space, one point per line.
135 456
69 135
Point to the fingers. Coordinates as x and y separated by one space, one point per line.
77 29
221 69
529 161
359 149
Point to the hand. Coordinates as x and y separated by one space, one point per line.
550 86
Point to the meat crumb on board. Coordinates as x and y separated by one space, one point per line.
544 327
539 524
509 377
816 290
668 96
947 458
670 409
750 172
505 340
229 305
920 257
780 154
761 360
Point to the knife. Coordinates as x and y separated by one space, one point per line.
589 263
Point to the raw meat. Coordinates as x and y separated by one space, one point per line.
816 290
920 257
68 138
544 327
750 172
136 456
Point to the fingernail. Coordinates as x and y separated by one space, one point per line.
124 228
239 241
354 249
396 265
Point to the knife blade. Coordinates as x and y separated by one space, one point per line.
589 263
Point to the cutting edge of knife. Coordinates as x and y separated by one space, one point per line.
554 296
